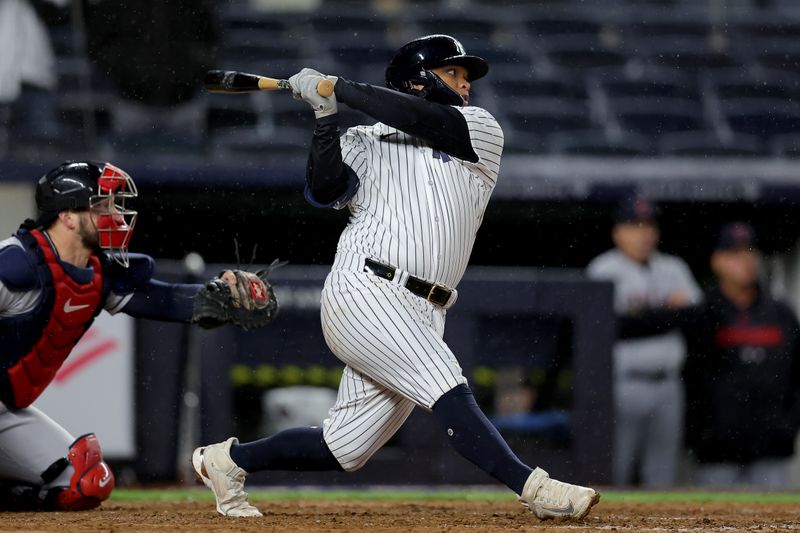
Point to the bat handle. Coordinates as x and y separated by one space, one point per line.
325 88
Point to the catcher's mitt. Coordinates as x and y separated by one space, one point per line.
249 304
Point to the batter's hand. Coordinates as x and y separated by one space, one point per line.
304 86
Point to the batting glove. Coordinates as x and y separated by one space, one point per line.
304 86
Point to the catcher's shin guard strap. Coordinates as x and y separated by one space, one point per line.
92 481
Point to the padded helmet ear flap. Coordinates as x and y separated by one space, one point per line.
412 65
404 79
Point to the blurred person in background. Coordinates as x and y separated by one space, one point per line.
156 54
743 369
648 391
28 68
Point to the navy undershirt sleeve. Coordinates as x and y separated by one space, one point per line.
328 180
443 127
157 300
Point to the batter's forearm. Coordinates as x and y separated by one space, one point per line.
441 126
326 175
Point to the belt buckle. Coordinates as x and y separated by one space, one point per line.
435 286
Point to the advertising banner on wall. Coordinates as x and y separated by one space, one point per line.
93 391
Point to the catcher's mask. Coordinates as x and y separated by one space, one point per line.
412 65
100 187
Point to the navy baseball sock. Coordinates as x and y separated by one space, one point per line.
474 437
301 449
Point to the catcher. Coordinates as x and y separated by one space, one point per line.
57 273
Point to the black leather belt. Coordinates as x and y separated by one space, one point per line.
433 292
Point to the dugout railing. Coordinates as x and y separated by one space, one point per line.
521 335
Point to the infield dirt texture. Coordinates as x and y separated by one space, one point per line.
133 511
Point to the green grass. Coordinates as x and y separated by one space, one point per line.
182 494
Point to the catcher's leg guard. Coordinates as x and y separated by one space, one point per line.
92 481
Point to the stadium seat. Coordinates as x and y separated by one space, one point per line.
290 146
709 143
598 143
785 57
581 53
229 111
470 29
762 117
761 84
514 82
786 145
651 88
686 54
656 116
545 116
547 25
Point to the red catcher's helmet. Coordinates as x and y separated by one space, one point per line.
101 187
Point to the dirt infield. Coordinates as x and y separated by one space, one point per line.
408 516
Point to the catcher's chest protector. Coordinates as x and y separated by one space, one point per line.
66 311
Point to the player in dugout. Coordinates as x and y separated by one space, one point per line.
742 373
416 184
57 273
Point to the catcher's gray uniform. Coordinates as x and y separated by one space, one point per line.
649 396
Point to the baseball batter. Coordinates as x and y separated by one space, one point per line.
57 273
416 184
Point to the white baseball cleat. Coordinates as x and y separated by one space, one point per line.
215 468
549 498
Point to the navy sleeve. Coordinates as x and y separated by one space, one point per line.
125 280
157 300
329 182
442 126
16 271
656 321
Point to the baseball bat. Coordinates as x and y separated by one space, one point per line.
232 81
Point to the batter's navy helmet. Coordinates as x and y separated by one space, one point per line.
411 65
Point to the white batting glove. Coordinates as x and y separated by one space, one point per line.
304 86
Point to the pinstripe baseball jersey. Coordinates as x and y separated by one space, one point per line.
419 210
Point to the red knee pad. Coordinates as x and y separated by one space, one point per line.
92 481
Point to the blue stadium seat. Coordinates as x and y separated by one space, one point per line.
786 145
652 88
544 116
762 117
710 144
515 82
687 55
656 116
739 83
784 57
545 25
470 29
596 142
580 53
